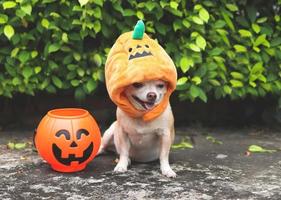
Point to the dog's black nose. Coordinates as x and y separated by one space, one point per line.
151 96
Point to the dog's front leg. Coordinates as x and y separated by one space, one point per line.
122 144
164 155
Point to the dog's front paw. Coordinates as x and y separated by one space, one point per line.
120 168
167 171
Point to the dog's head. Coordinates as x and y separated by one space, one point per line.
146 95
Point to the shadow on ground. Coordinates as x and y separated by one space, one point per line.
208 171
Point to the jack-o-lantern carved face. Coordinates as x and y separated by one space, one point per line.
74 144
139 51
68 139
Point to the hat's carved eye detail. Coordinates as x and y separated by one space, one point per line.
130 49
140 52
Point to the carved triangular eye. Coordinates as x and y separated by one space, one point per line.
80 132
63 132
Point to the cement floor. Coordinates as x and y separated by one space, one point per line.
208 171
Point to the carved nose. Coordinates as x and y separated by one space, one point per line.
73 144
151 96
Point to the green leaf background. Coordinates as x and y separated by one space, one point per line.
225 49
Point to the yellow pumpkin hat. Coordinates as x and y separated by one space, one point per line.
135 57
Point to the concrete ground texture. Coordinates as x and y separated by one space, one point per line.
217 167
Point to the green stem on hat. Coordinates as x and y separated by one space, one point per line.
139 30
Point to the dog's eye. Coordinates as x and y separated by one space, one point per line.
137 85
160 86
130 49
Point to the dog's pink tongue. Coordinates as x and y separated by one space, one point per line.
148 105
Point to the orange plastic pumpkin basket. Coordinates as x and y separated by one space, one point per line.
68 139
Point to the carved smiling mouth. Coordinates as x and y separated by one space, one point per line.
138 55
67 161
145 104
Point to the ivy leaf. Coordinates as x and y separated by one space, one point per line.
24 56
182 81
237 75
262 20
197 80
245 33
97 59
91 85
186 23
97 26
197 20
227 20
45 23
257 68
37 69
79 94
231 7
99 2
200 42
213 139
16 81
11 145
150 5
83 2
236 83
80 72
57 82
184 144
14 52
77 56
20 146
128 12
204 15
27 9
64 37
261 40
186 63
195 48
75 82
202 95
259 149
97 13
227 89
53 48
9 31
34 54
214 82
174 5
9 4
275 42
194 91
27 72
256 28
140 15
3 19
239 48
177 24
